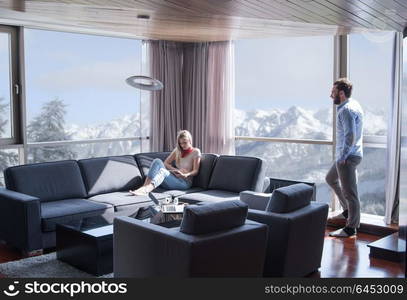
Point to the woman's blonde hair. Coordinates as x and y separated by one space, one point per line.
178 150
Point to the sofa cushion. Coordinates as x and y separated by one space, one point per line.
213 217
237 174
64 211
290 198
47 181
110 174
119 199
144 160
205 170
209 196
177 193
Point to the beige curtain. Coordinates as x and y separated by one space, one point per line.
394 136
195 74
198 94
220 83
166 119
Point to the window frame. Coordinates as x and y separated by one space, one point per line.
16 89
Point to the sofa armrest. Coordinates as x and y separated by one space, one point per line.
20 220
255 200
142 250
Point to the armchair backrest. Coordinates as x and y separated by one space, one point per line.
146 250
213 217
270 184
290 198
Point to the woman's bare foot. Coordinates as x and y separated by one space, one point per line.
143 191
139 192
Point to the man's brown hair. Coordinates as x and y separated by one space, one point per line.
343 84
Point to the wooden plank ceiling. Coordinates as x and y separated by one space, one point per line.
207 20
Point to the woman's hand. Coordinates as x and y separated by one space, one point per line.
176 172
180 173
183 175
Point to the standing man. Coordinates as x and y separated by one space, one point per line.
342 177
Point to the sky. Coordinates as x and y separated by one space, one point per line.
88 73
282 72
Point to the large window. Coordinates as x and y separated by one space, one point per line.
370 70
282 93
284 112
305 162
283 87
76 91
77 102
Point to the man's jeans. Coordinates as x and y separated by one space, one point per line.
160 176
343 180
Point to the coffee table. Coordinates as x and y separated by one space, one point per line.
87 244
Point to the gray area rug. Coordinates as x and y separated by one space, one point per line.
43 266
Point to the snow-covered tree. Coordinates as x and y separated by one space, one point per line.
49 126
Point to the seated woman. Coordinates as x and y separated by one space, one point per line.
187 161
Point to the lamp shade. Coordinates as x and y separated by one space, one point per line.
145 83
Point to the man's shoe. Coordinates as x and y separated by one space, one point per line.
339 217
343 232
343 216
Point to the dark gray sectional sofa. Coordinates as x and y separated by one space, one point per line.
38 196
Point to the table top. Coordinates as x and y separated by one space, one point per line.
100 226
97 226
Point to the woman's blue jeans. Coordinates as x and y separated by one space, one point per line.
160 176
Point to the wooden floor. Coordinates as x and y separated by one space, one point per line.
341 258
350 258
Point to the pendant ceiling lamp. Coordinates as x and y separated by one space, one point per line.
145 83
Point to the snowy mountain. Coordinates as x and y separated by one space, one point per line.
294 123
126 126
298 123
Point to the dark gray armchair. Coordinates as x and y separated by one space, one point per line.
296 229
214 240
